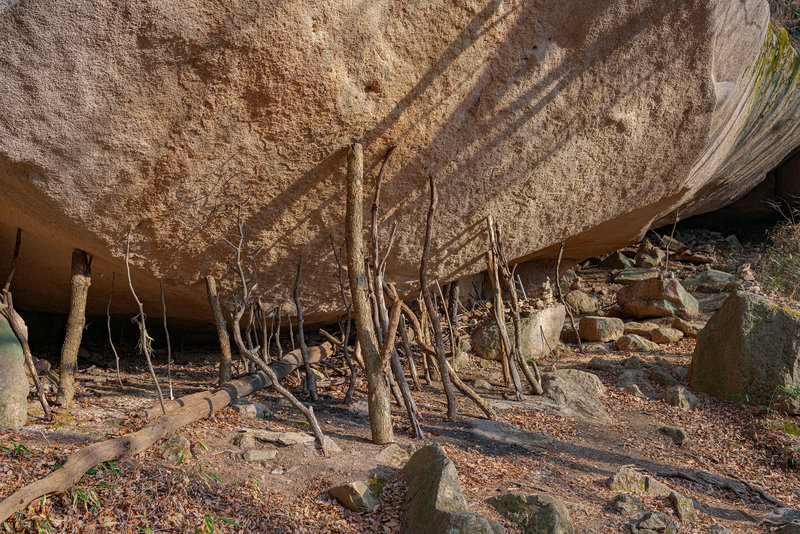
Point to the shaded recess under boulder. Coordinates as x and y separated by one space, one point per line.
749 351
434 502
127 133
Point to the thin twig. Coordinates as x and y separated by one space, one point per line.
563 302
144 338
108 320
169 344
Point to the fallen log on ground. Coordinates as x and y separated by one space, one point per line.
283 367
179 414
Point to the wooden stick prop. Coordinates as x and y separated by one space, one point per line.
80 281
169 345
108 327
311 378
380 416
432 312
222 331
144 337
563 302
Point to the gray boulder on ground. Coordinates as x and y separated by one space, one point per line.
358 496
634 343
580 302
534 514
710 281
13 380
688 329
616 260
626 505
630 480
176 448
684 507
573 393
749 351
601 364
601 329
656 298
259 455
651 522
677 435
392 455
486 340
434 503
666 335
681 397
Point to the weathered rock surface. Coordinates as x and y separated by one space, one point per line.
573 393
155 107
656 298
626 505
486 340
681 397
357 496
507 433
684 507
652 522
631 480
709 281
392 455
748 350
634 343
688 329
534 514
259 455
601 328
666 335
633 275
640 329
617 260
13 380
580 302
434 502
677 435
176 448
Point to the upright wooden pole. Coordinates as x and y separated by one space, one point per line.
79 287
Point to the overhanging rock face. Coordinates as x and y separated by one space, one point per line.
584 121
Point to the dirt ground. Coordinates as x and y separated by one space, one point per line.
218 491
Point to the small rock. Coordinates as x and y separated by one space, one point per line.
461 360
246 411
684 507
677 435
634 343
175 448
631 276
357 496
712 303
688 329
480 383
632 363
277 471
332 446
666 335
244 440
630 480
616 260
262 411
596 347
626 505
790 528
718 529
282 438
665 379
656 298
392 455
601 364
652 522
640 329
580 302
601 328
681 397
680 371
709 281
534 513
633 389
259 455
631 376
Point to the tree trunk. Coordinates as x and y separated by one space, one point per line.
79 287
222 331
380 415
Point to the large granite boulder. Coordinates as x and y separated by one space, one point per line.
486 340
434 502
13 380
534 514
145 115
749 351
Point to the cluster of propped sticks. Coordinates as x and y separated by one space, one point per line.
374 306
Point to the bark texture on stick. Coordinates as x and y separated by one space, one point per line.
222 331
181 412
432 312
311 378
80 281
380 416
